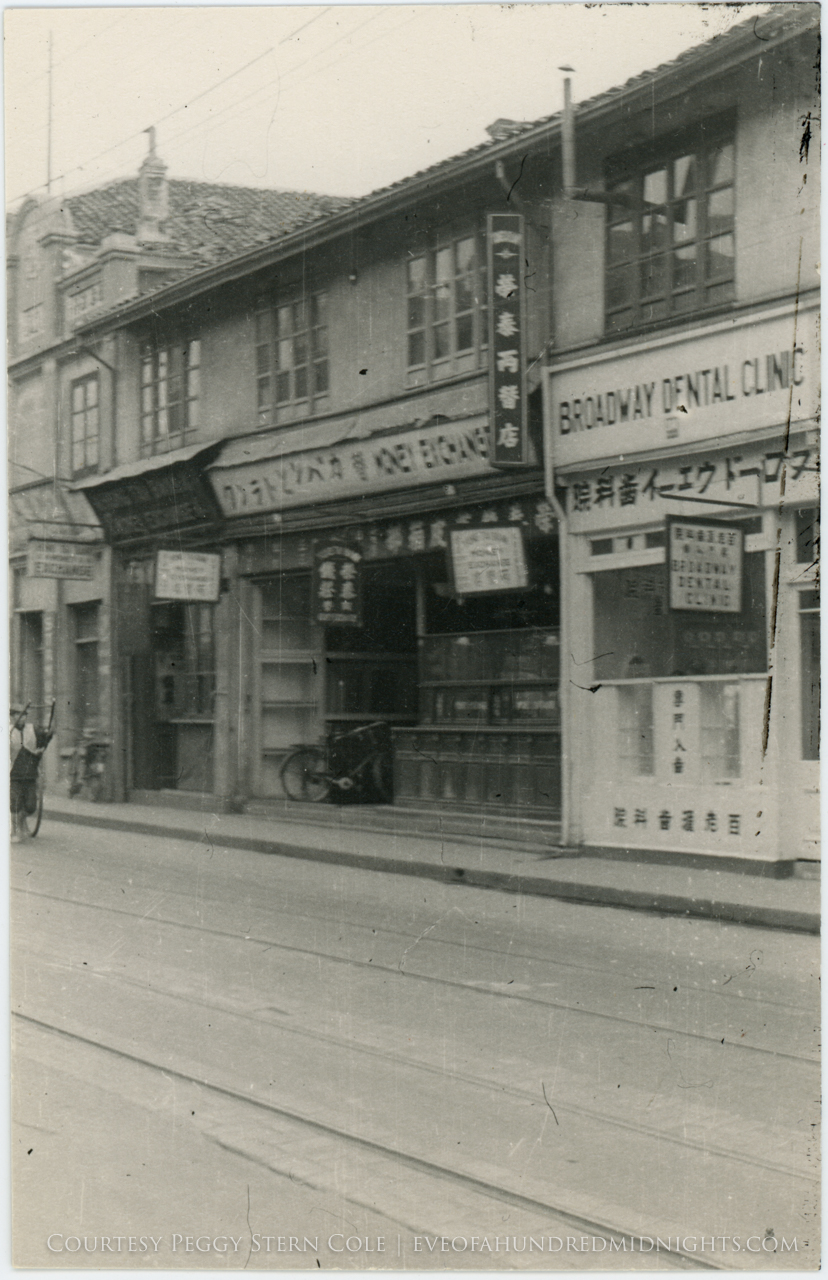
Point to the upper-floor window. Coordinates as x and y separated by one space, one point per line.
292 373
85 424
170 379
670 235
446 301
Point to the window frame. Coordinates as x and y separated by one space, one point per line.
88 462
425 319
170 386
292 340
652 254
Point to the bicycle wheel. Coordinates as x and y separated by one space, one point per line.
37 817
29 823
304 775
383 778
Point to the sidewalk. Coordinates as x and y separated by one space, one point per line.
405 842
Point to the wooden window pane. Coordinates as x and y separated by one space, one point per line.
720 210
621 241
416 348
685 262
720 255
720 168
684 176
441 341
655 187
685 221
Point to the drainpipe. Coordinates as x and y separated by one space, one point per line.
563 562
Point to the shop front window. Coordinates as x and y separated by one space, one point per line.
636 635
494 659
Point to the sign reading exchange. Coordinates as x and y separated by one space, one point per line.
436 454
685 389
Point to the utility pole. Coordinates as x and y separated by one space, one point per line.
49 126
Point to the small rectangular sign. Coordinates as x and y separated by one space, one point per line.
187 575
507 341
337 582
705 565
46 559
488 559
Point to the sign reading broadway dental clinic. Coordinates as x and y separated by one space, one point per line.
704 559
436 454
731 377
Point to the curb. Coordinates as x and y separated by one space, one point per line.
500 881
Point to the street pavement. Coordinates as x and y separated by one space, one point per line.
515 856
219 1045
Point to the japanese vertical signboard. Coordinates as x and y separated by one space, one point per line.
705 565
507 341
488 559
337 582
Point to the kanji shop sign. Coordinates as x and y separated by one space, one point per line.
46 559
435 454
705 566
187 575
761 372
507 341
337 582
487 559
628 494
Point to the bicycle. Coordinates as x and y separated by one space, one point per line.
26 777
309 773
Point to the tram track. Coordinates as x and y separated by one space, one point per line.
442 1174
480 988
350 1045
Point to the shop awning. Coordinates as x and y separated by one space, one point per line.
156 495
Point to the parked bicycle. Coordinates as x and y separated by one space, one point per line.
313 773
27 743
87 769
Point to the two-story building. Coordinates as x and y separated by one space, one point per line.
517 455
70 259
307 427
682 426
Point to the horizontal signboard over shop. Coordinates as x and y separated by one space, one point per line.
729 379
439 453
45 559
747 479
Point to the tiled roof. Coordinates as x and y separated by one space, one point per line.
780 18
207 221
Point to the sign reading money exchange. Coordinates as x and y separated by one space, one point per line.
435 454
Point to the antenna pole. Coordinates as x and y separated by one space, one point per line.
49 126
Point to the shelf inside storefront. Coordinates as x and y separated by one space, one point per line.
500 680
547 727
273 659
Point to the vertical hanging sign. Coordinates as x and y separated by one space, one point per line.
507 341
337 582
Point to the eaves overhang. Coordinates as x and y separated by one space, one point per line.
691 69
